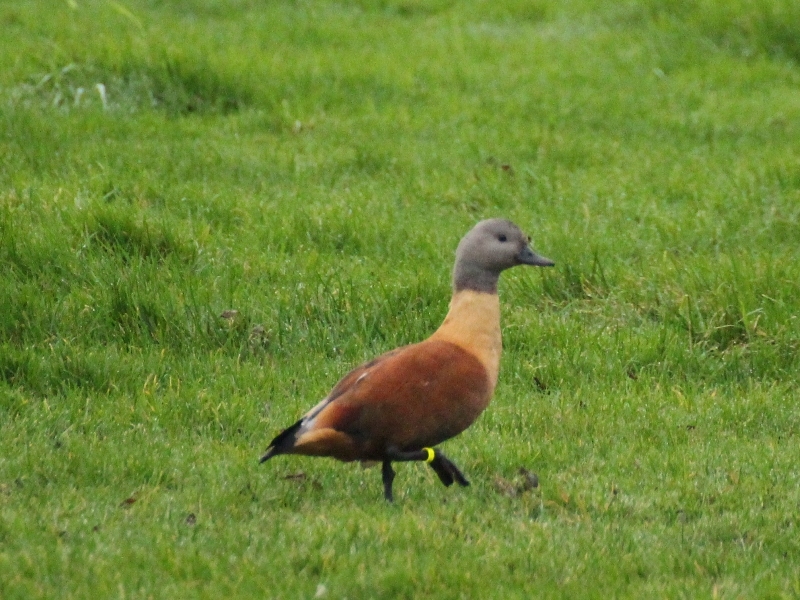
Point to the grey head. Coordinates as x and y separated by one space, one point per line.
491 247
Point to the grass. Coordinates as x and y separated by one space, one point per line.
312 166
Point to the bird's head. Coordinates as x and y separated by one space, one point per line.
488 249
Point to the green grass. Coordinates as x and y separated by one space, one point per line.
312 165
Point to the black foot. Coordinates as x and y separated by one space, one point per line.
388 478
447 471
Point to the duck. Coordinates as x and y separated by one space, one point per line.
401 405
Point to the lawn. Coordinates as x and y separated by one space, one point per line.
210 210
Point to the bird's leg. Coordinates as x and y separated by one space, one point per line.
424 454
388 478
443 466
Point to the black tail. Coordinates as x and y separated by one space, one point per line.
283 442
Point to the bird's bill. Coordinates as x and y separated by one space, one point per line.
529 257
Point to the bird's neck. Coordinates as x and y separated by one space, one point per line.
467 276
473 323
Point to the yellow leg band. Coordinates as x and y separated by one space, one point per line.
431 455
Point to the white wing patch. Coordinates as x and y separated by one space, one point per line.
308 418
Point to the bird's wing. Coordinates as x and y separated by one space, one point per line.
286 440
349 382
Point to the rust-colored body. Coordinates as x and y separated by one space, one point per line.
417 396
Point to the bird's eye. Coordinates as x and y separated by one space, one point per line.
502 237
